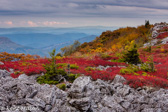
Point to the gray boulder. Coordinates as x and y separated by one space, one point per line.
118 79
1 63
4 73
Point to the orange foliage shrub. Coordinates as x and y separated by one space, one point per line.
4 56
117 39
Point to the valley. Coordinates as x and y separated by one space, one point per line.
42 40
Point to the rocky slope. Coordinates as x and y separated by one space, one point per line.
84 95
159 34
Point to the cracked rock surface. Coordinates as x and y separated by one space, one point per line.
85 95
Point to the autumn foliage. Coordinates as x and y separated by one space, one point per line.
4 56
117 39
107 51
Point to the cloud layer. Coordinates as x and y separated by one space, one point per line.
32 24
68 10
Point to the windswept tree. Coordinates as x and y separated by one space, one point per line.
67 50
147 24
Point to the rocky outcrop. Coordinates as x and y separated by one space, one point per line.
85 95
1 63
164 41
4 73
152 43
156 28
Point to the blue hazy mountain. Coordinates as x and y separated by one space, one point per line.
61 45
41 40
90 30
6 45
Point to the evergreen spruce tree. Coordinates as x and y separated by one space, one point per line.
147 24
52 75
132 56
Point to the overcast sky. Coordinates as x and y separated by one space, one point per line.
72 13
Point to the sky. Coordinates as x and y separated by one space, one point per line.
75 13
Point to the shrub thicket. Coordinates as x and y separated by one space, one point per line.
54 75
62 86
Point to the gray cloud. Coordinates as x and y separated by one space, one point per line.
74 7
84 8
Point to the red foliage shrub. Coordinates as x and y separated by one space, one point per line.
139 81
162 35
157 79
14 75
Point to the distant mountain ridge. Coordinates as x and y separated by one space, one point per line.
90 30
61 45
6 45
9 46
43 39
